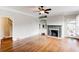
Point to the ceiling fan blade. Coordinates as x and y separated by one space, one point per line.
47 9
47 12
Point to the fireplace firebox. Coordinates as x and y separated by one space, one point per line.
54 33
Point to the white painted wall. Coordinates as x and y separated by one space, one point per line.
55 20
24 30
24 25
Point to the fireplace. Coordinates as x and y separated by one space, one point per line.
54 33
54 30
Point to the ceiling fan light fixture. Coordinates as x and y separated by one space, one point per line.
42 12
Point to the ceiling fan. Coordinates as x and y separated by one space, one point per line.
43 10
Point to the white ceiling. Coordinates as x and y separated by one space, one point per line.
56 10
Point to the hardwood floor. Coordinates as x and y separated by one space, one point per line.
39 44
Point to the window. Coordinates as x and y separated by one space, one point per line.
73 28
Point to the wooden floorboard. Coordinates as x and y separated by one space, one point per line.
39 44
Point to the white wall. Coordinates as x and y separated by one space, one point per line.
23 25
55 20
30 28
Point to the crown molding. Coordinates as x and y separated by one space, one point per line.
16 11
